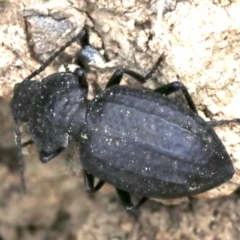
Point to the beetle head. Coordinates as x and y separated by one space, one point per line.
58 110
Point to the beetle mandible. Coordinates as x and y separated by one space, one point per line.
138 140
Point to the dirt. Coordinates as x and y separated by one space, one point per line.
201 44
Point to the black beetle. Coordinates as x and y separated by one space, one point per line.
138 140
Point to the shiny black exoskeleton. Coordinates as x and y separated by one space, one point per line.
138 140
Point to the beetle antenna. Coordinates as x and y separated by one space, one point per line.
55 55
20 157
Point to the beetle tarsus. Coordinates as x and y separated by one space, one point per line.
126 201
89 183
216 123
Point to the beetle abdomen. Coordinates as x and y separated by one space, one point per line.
141 142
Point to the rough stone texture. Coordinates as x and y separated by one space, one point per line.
201 41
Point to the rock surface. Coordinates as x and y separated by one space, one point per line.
201 41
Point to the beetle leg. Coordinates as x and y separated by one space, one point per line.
191 203
45 157
27 143
141 202
82 79
89 183
175 86
126 201
84 40
118 74
222 122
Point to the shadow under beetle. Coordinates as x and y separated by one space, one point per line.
138 140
